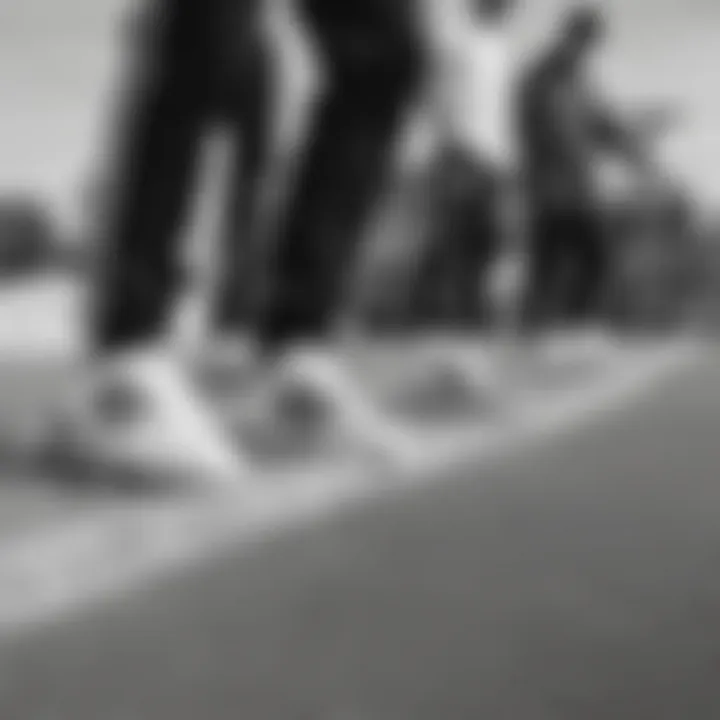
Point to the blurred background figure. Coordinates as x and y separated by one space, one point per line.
654 250
565 128
472 112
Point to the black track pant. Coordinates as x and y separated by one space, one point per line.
371 53
464 236
568 267
198 63
246 108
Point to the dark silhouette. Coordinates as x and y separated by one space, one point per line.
196 64
564 125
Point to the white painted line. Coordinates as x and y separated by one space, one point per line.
59 571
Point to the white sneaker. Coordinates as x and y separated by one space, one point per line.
316 390
141 416
460 377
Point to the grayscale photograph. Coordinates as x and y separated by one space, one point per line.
359 360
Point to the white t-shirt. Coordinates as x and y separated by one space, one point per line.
473 83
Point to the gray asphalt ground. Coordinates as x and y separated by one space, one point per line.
574 580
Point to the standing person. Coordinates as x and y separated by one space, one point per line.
371 52
564 125
138 406
473 98
194 63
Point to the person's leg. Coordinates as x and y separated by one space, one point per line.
247 111
462 246
480 243
137 407
432 289
371 54
542 297
442 264
427 288
505 282
157 156
587 288
589 265
470 354
457 369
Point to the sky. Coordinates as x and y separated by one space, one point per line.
60 61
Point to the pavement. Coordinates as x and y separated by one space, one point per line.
562 570
575 579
